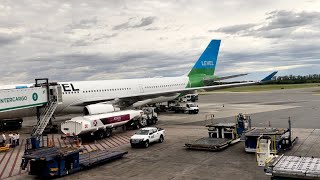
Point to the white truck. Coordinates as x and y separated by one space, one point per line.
147 135
189 97
101 125
190 108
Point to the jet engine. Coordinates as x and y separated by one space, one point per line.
99 109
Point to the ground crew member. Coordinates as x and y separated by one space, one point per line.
4 138
1 141
14 140
10 137
18 138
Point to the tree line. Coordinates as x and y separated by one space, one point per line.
292 79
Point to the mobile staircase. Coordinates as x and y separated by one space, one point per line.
54 98
45 117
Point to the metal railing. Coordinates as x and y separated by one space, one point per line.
44 118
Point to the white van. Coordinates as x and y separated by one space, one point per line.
189 97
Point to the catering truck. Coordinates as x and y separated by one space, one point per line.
101 125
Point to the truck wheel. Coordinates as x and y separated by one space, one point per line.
143 122
146 144
124 127
108 132
99 135
132 145
161 139
154 121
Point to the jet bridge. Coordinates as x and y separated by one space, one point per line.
43 95
22 97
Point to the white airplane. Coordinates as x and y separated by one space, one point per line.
86 96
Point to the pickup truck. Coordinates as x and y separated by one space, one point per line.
147 135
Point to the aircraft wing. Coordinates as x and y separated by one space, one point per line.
145 96
228 77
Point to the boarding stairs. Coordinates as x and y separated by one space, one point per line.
45 117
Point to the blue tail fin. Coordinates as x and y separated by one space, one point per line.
269 77
205 66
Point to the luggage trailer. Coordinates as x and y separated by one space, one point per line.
285 167
293 167
221 135
281 139
49 162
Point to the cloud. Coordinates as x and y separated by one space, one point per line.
287 19
134 23
140 38
277 24
234 28
6 39
85 23
73 67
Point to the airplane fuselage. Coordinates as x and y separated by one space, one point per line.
76 93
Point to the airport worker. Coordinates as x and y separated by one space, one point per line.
14 140
10 137
18 138
4 138
1 141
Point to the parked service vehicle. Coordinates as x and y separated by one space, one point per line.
10 124
190 108
147 135
149 115
189 97
101 125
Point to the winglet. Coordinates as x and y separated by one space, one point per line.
269 77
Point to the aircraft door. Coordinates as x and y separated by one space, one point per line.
56 92
141 88
59 94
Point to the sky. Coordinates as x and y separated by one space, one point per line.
115 39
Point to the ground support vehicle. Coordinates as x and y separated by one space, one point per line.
293 167
147 135
161 108
285 167
150 116
190 108
221 135
49 162
10 124
189 97
101 125
5 148
281 139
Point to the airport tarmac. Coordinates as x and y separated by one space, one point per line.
170 160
